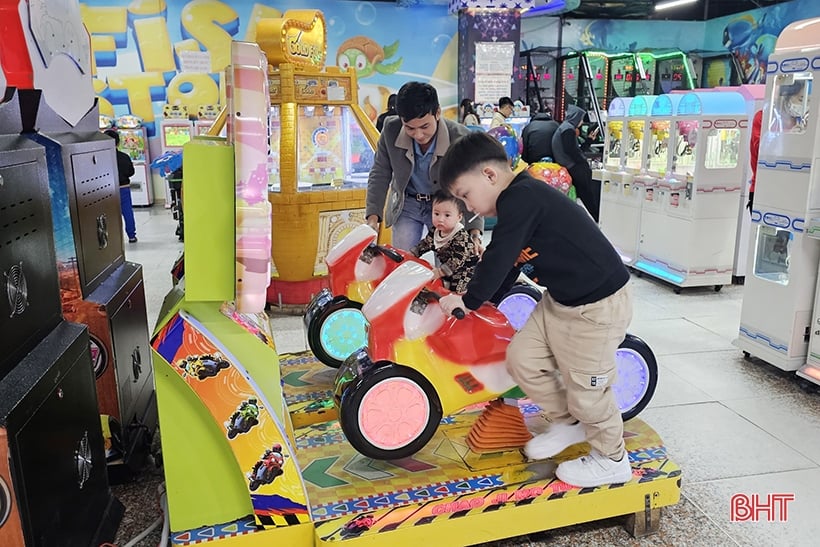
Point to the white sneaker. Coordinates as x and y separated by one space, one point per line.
594 470
558 437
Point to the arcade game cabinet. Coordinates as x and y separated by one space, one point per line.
98 287
322 147
53 484
134 142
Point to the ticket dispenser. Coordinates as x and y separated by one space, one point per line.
782 270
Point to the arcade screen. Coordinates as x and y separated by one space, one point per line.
621 74
174 136
646 81
672 74
132 142
332 148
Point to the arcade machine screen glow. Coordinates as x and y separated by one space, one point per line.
174 136
132 142
672 74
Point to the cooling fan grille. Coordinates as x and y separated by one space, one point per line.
16 289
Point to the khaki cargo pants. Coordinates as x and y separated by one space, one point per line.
564 360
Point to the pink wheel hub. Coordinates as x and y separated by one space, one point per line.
393 413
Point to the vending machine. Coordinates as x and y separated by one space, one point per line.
688 229
205 116
134 142
175 130
776 317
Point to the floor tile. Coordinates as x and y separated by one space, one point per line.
674 390
709 441
677 335
802 527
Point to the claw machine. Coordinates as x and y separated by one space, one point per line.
614 178
688 238
776 318
134 142
325 146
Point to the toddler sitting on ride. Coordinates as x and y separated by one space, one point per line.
455 251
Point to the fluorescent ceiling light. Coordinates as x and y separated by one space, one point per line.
672 4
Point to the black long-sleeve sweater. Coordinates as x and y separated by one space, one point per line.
551 239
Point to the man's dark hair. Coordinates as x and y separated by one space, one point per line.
442 196
467 153
416 100
114 135
505 101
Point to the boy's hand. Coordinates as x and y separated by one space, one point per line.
450 302
373 222
475 237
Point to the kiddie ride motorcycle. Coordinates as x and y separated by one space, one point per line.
335 325
420 365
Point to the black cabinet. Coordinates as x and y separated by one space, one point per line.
55 488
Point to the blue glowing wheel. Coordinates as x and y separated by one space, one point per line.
336 331
518 303
637 376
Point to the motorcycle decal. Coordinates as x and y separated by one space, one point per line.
223 384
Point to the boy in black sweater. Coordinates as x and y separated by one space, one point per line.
564 357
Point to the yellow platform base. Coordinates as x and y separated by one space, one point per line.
446 491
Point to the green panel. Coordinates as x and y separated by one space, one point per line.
204 482
208 202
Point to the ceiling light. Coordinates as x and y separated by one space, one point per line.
672 4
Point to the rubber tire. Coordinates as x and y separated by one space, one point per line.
352 399
314 331
641 348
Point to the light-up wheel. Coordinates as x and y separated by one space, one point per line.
518 303
390 413
336 331
637 376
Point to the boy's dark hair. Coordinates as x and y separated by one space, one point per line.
467 153
415 100
114 135
505 101
442 196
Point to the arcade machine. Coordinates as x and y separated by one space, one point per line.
205 116
718 69
53 484
325 148
613 176
595 77
776 318
98 287
670 70
222 402
134 142
540 73
696 204
175 129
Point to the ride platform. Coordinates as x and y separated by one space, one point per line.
446 490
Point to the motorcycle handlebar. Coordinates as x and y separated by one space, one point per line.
458 313
392 254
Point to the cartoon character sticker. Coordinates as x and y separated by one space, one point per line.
367 57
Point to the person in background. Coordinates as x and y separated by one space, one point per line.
454 249
564 356
567 152
467 114
505 110
405 167
754 151
537 138
391 111
125 170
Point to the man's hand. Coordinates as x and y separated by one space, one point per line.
373 222
475 237
450 302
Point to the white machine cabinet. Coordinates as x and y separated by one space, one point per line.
776 316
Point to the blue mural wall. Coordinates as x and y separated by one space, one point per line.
138 46
749 36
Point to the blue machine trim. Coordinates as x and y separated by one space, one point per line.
783 163
759 336
657 271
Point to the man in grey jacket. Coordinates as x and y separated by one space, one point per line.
567 152
405 168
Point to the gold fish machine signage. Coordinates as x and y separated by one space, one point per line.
297 38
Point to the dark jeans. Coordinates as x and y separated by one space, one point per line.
587 190
128 212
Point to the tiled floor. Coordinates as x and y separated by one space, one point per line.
733 426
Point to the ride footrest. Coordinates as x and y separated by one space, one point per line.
311 412
500 427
